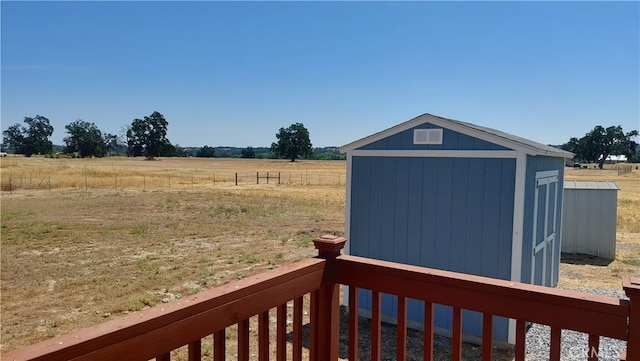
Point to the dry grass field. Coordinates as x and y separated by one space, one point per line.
75 256
87 240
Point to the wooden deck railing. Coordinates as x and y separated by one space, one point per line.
154 333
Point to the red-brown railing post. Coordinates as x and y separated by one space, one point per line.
328 326
631 287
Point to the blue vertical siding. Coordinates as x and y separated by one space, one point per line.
417 206
506 218
446 213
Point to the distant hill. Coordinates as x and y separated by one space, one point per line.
319 153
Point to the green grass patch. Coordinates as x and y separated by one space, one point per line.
304 241
140 229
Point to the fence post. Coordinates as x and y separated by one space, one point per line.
631 287
327 312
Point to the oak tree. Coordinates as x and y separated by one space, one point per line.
293 142
598 144
85 139
148 137
32 138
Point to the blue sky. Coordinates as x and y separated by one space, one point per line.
233 73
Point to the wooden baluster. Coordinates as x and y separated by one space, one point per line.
631 286
263 336
195 351
456 339
281 333
219 345
401 329
521 339
555 344
594 347
314 316
487 337
243 340
376 315
164 357
428 332
297 329
353 323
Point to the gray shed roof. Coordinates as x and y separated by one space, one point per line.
589 185
509 140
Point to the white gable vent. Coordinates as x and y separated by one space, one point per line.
427 136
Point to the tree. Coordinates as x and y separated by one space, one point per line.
248 152
179 151
293 142
148 137
85 138
114 144
14 138
32 139
206 152
600 143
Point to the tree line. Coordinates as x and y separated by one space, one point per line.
147 137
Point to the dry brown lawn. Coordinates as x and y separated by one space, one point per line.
87 240
76 256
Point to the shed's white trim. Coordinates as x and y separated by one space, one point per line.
518 229
347 205
435 153
347 223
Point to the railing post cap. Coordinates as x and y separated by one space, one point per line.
329 245
631 286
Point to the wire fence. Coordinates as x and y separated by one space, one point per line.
624 168
11 183
307 178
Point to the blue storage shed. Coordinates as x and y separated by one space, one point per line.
455 196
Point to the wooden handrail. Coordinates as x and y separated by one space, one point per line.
161 329
149 333
554 307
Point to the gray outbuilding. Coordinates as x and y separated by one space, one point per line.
589 219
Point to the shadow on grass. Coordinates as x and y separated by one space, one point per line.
584 259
